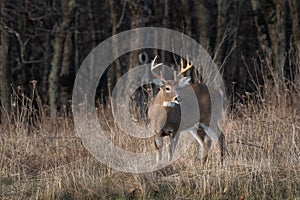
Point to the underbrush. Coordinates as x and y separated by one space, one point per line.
42 158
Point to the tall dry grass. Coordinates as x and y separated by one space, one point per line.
42 158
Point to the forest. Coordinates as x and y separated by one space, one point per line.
47 41
254 43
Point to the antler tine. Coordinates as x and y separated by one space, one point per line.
153 67
183 69
179 67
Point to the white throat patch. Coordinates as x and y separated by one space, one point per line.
168 104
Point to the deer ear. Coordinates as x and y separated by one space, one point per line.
184 81
158 82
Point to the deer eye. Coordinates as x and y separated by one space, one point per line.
168 88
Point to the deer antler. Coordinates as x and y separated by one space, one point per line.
153 67
183 69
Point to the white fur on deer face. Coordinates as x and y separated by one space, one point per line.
169 93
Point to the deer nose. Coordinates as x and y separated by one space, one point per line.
177 99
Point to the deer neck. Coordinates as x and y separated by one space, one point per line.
168 104
161 101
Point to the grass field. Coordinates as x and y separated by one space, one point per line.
42 158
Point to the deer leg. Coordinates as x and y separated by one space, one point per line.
218 136
159 144
175 142
206 145
221 143
170 147
204 141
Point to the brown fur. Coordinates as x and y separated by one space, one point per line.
165 121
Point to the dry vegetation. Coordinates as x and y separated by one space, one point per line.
42 158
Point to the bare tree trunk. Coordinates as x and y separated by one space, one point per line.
187 20
206 15
76 41
114 22
226 25
65 73
47 66
165 24
4 86
203 23
136 21
291 72
263 35
277 35
295 19
68 8
53 76
4 73
270 23
114 72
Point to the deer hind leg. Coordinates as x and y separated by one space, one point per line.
204 141
218 136
206 145
221 143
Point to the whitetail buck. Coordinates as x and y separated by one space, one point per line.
164 113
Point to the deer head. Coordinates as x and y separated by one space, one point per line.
169 94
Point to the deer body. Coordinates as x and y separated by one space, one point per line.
164 115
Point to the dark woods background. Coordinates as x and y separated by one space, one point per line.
46 41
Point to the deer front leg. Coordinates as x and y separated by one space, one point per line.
158 144
170 147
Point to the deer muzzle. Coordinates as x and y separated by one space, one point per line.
177 99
